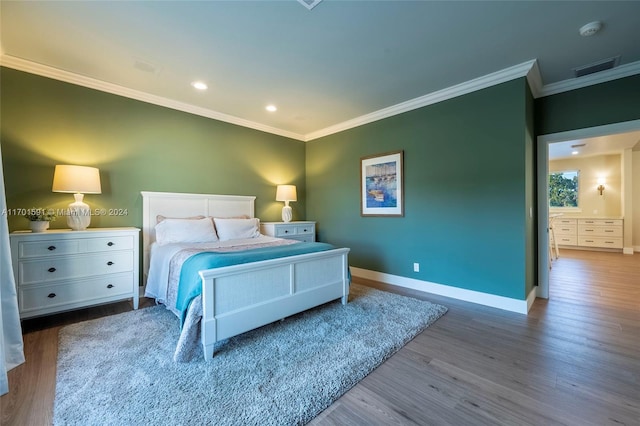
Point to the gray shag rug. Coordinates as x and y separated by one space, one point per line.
118 370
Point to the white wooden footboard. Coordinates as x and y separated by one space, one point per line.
239 298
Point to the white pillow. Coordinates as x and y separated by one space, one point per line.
185 231
233 229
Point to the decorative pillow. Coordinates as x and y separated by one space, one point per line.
185 231
233 229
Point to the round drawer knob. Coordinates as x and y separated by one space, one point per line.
110 243
51 248
110 286
109 263
286 231
51 269
51 295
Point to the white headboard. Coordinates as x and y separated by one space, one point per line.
174 204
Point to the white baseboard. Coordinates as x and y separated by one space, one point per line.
500 302
630 250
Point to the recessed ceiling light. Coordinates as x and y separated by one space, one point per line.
271 108
199 85
574 153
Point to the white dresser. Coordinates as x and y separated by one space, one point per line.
61 270
588 232
297 230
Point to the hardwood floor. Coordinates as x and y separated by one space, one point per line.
574 360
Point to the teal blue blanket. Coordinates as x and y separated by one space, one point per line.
190 284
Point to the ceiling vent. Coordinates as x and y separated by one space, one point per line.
309 4
605 64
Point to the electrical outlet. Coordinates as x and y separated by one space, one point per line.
416 267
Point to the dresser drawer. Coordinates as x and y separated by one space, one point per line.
302 231
45 248
76 266
600 242
34 298
600 222
561 221
601 231
567 240
563 229
289 230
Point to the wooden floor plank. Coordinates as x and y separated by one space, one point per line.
574 360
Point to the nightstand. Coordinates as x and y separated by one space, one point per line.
297 230
60 269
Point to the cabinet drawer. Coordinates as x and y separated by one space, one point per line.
45 248
109 244
77 266
600 242
600 222
567 240
561 229
290 230
59 294
601 231
560 221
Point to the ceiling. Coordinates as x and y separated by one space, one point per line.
601 145
339 64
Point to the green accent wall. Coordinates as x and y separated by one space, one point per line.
137 146
469 176
605 103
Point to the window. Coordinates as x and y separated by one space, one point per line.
563 189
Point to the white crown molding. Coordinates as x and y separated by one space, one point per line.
500 302
479 83
92 83
529 69
621 71
534 78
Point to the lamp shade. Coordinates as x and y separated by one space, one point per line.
76 179
286 193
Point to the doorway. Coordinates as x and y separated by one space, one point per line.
544 142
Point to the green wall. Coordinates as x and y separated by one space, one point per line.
468 189
606 103
137 146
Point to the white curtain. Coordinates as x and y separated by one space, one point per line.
11 347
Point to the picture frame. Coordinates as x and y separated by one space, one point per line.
382 184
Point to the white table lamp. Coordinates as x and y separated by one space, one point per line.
78 180
286 193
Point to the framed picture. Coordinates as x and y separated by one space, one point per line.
382 185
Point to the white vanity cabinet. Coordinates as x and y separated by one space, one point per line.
61 270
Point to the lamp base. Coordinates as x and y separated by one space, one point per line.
287 214
79 214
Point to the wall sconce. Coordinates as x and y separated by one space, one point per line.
286 193
600 187
78 180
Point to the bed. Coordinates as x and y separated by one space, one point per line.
237 298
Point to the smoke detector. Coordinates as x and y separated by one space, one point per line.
590 29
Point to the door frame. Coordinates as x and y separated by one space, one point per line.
543 142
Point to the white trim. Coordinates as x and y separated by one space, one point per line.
534 78
621 71
630 250
529 69
500 302
636 249
115 89
470 86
